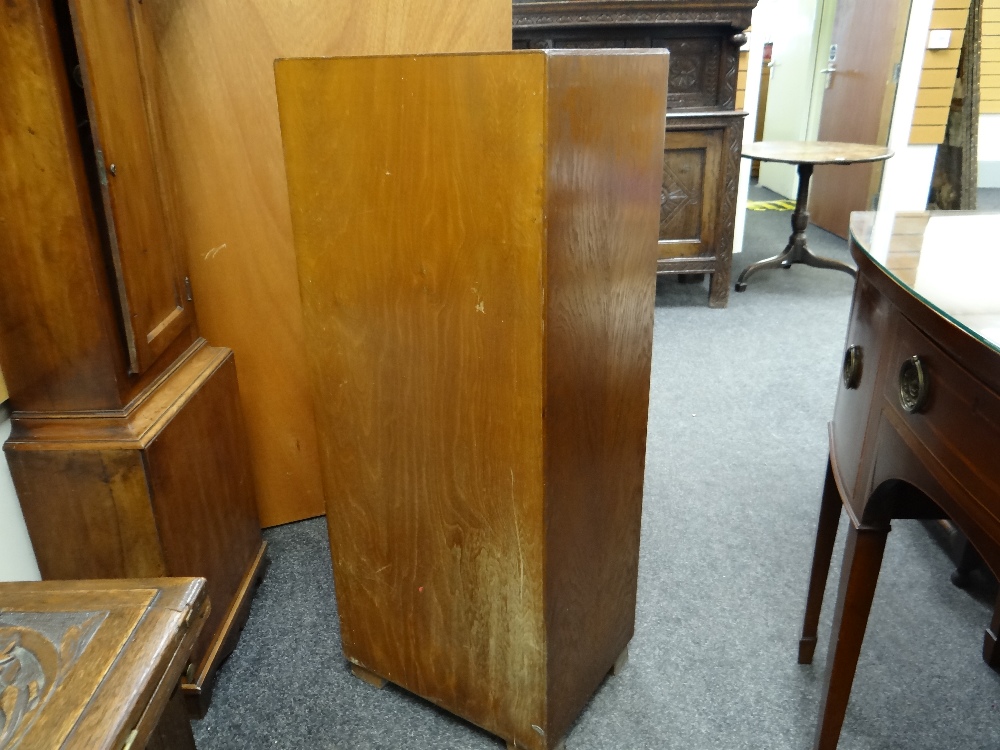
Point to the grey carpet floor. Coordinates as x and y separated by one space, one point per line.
736 453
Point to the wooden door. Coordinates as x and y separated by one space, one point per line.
857 104
149 277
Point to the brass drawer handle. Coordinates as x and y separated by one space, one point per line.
853 361
913 385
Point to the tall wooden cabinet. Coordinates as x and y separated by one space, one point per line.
704 131
127 447
477 277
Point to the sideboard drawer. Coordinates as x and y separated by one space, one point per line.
951 413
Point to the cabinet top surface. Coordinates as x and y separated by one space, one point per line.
947 259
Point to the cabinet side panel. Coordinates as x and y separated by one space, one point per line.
54 309
203 495
416 194
88 512
606 118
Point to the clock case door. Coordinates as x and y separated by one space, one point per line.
148 274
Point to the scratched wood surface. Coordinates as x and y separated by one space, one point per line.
427 250
210 66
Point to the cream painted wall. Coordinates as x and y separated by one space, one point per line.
17 559
755 53
793 113
989 151
793 27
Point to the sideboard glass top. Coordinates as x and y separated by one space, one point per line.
949 259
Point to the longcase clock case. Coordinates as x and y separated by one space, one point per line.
127 447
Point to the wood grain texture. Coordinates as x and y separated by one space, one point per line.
430 250
91 494
421 264
212 73
604 175
103 658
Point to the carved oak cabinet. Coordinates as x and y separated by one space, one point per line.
704 132
127 445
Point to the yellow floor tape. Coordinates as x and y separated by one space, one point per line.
782 205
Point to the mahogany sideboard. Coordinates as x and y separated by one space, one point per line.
96 665
704 132
917 418
127 448
478 286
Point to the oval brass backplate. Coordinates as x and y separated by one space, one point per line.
853 360
913 385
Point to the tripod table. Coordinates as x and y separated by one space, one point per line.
805 154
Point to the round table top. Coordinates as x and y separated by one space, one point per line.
814 152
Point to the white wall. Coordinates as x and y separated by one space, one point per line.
989 151
17 559
755 54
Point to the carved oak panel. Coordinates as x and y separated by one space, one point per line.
694 71
37 651
681 197
688 206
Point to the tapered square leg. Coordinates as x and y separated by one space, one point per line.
858 578
826 535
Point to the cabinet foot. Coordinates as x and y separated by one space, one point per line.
620 662
370 677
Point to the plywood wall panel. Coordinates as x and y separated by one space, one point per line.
210 65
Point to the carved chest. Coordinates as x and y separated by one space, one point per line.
704 132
